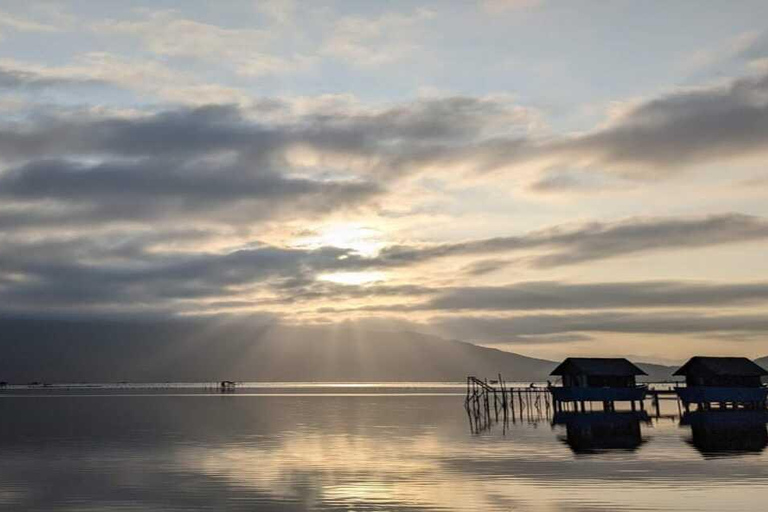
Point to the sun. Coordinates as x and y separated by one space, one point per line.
362 240
353 278
359 239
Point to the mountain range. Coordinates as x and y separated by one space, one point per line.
196 351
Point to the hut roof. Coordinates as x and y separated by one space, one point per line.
721 366
612 367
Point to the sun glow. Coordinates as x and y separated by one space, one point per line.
353 278
363 240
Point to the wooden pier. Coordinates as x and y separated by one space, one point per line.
506 402
488 401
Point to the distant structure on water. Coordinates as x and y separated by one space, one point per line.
227 386
734 382
591 379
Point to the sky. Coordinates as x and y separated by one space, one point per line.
549 178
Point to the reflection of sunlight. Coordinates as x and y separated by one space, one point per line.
427 470
353 278
363 240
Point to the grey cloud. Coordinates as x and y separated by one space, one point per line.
652 140
553 295
126 268
20 80
680 129
595 241
502 328
157 190
188 132
221 159
757 50
556 295
483 267
77 274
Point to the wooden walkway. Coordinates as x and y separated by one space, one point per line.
486 399
516 402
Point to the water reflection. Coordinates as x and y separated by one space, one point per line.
408 452
593 432
727 432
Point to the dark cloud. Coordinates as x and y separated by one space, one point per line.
75 275
161 190
134 267
683 128
652 140
555 295
596 240
482 267
501 329
552 295
21 80
219 167
189 132
225 163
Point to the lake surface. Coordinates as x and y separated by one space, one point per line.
375 447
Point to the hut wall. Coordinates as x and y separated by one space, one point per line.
725 381
598 381
611 381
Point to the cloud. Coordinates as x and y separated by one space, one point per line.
166 33
228 171
20 79
503 328
571 244
368 42
162 191
221 163
558 296
681 129
501 6
22 24
145 76
649 140
114 273
483 267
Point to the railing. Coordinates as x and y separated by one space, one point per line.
707 394
577 394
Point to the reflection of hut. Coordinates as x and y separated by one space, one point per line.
717 433
591 379
599 431
734 381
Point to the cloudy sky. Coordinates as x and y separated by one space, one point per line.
544 177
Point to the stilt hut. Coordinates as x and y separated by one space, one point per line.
591 379
734 382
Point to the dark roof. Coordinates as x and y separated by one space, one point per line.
614 367
721 366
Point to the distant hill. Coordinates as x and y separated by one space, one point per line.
657 372
70 351
194 351
762 361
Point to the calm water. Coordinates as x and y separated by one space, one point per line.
360 448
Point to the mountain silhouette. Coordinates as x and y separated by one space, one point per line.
195 351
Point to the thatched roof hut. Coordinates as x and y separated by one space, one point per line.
722 372
597 372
